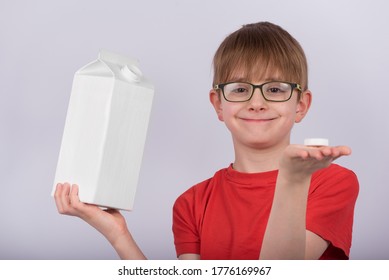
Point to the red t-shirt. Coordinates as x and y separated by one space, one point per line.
225 217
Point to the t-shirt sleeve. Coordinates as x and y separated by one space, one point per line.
185 230
330 209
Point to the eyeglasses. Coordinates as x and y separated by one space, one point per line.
274 91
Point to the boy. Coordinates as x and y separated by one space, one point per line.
276 200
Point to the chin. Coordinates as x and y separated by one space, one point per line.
257 144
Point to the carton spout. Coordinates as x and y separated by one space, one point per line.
131 73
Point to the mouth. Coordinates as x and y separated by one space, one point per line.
259 120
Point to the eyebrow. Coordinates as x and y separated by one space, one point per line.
267 79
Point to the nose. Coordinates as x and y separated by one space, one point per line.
257 101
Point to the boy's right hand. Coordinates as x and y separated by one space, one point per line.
109 222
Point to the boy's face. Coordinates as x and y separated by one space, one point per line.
258 123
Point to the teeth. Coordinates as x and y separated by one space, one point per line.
316 142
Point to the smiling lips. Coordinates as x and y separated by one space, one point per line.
261 120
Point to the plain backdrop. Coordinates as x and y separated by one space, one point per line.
43 43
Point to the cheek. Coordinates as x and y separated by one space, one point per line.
289 113
228 111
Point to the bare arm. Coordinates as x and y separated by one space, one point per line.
286 236
109 222
189 257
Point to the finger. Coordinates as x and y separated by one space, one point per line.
318 154
297 152
327 151
344 150
65 200
339 151
57 197
74 198
334 152
60 199
78 207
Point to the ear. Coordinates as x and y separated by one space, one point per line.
215 99
303 105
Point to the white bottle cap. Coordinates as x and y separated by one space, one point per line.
316 142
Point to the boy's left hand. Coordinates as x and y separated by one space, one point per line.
300 160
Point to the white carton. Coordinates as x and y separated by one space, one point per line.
105 131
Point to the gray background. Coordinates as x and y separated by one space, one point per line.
44 42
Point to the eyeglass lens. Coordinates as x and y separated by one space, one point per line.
272 91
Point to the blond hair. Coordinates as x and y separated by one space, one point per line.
258 50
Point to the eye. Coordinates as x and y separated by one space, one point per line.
274 90
277 88
238 88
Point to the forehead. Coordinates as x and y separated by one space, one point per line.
255 74
255 65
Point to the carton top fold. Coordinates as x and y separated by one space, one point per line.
110 64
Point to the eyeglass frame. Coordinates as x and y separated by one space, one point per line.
292 85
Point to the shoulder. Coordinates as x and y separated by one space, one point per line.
335 172
335 178
189 207
200 191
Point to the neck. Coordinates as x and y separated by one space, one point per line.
255 160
